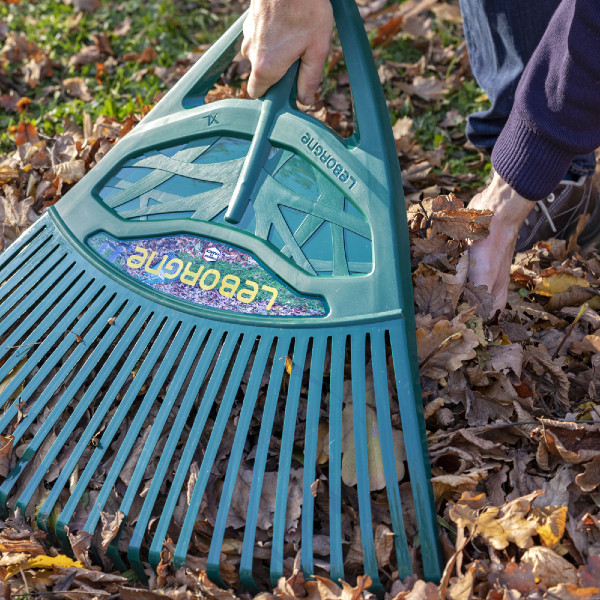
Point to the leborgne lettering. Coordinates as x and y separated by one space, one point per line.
193 275
328 160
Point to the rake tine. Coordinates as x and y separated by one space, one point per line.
197 429
158 320
40 308
137 423
411 412
384 424
17 271
235 457
19 286
336 405
212 447
47 326
166 407
260 460
116 354
116 422
315 389
79 349
285 458
50 422
359 418
20 250
36 359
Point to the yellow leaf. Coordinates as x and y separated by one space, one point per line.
559 283
553 521
44 562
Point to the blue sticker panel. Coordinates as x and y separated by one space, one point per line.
205 272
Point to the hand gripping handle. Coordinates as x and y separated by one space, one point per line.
372 125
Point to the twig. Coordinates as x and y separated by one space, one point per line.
581 312
21 346
483 428
448 340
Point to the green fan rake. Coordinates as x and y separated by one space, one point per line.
225 268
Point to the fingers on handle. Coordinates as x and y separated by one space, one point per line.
310 73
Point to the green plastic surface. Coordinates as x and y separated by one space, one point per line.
317 223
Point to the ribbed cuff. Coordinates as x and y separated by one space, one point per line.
530 163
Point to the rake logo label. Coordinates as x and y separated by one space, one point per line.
207 273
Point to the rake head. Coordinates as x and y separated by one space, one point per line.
220 339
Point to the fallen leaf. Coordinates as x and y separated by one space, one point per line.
377 479
589 480
43 562
552 524
76 87
428 88
26 134
71 171
550 567
438 358
6 448
462 223
86 56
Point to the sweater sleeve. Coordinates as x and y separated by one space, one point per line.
556 112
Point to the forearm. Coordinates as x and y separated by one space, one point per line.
556 113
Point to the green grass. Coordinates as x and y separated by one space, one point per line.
173 29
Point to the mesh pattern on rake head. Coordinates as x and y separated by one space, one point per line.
198 435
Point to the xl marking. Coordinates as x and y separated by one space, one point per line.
212 120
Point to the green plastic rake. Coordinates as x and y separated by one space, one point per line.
222 272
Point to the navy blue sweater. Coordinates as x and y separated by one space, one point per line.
556 112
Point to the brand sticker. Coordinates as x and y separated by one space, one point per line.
207 273
211 254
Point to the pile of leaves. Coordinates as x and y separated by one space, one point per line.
510 399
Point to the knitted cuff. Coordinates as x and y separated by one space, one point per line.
527 160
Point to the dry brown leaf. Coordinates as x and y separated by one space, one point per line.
564 591
589 480
504 358
517 577
553 368
550 567
462 223
26 134
499 526
377 479
77 87
428 88
423 591
71 171
443 359
147 55
86 56
387 31
110 527
575 443
590 344
384 545
6 448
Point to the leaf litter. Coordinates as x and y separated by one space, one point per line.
510 399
